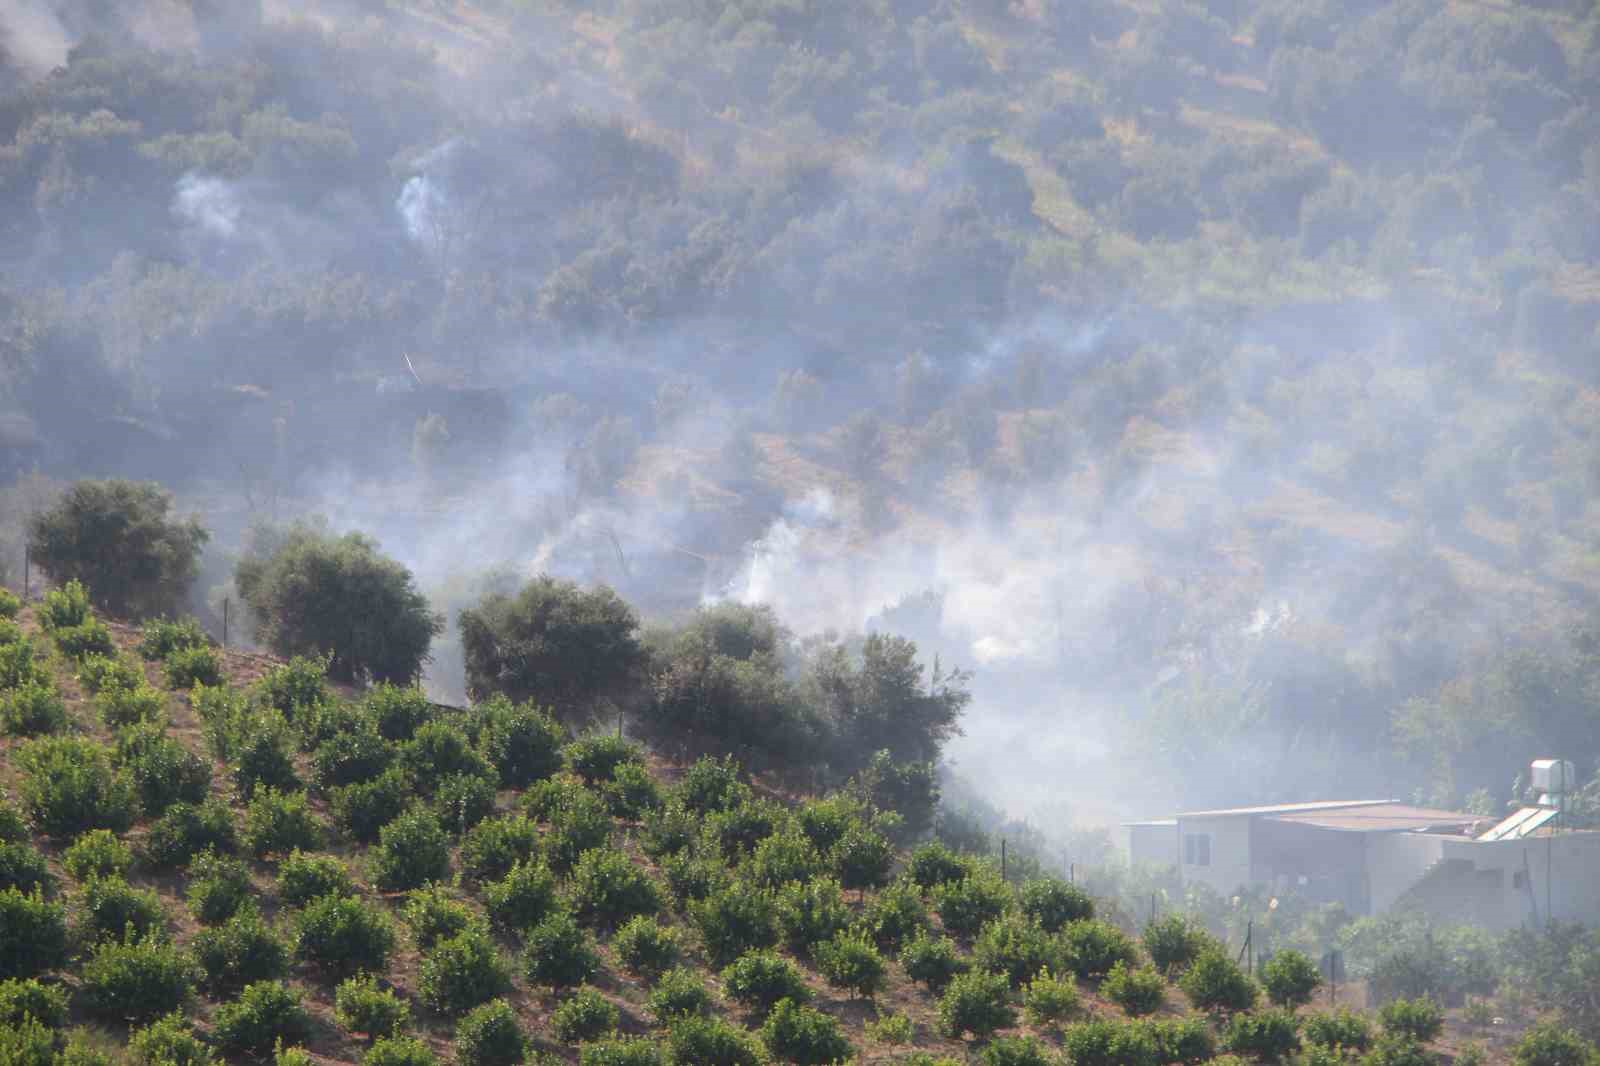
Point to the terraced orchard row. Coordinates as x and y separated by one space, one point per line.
204 859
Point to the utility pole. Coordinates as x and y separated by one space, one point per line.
1003 858
27 568
227 602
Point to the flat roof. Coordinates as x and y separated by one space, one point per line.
1153 823
1285 808
1380 818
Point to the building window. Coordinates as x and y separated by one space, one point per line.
1197 849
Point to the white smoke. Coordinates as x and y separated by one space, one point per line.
32 32
211 204
423 203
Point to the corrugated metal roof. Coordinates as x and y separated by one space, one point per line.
1284 808
1381 818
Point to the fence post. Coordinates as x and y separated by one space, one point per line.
1003 859
227 601
27 568
1152 908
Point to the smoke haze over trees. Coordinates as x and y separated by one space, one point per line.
1217 382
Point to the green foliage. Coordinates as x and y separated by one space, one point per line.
352 756
586 1016
1017 1051
69 787
1053 903
161 637
361 810
399 1051
1187 1040
13 827
261 756
581 825
111 906
341 936
976 1002
164 771
1269 1035
932 961
1137 991
1551 1045
317 594
136 980
632 792
804 1035
598 757
294 687
608 889
1418 1019
218 887
412 850
1214 982
735 919
1290 979
558 953
18 666
116 537
242 950
80 642
852 962
967 905
121 707
1015 947
463 800
460 972
627 1051
678 993
22 867
169 1041
862 859
712 784
492 847
186 830
645 947
29 998
523 898
1337 1029
736 832
28 1043
10 604
1174 941
280 823
711 1041
1102 1042
907 790
1049 999
303 877
81 1049
1092 947
265 1014
692 878
32 710
549 799
489 1035
810 912
66 607
184 668
759 979
891 1029
1390 1050
433 914
361 1005
439 750
397 711
99 673
522 742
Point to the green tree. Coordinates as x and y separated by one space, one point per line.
117 538
317 594
883 700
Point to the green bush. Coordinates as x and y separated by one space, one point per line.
69 787
33 934
1391 1050
11 632
734 920
708 1040
712 784
136 980
1214 982
558 953
804 1035
1016 947
32 710
932 961
111 906
164 771
736 832
810 912
545 800
1414 1019
360 1005
224 715
1551 1045
490 1036
1138 991
677 993
1016 1051
187 667
432 914
976 1002
266 1013
490 848
280 823
303 878
97 853
121 707
579 825
644 946
343 936
218 887
932 864
891 1029
586 1016
169 1041
608 889
522 742
1269 1035
758 979
460 972
80 642
1049 999
261 756
10 604
440 750
185 830
523 898
399 1051
17 665
967 905
463 800
239 952
1053 903
668 830
297 685
82 1049
412 850
625 1051
852 962
783 857
13 826
863 859
161 637
1174 942
23 867
397 711
896 915
28 998
692 878
1092 947
28 1043
631 793
1290 979
349 758
98 673
361 810
1338 1029
1106 1043
1187 1040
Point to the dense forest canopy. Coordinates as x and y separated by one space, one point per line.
1219 381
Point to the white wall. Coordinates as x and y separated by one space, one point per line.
1230 852
1396 861
1566 864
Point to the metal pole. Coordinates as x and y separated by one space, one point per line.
1549 846
226 603
1152 908
27 567
1072 873
1003 858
